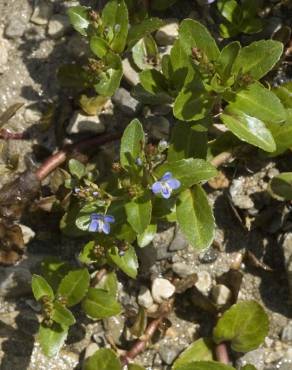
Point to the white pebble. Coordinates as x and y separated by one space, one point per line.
161 289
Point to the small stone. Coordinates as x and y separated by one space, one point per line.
90 350
287 251
42 12
158 127
168 353
209 256
161 243
4 47
14 281
127 104
182 270
80 123
179 242
167 34
58 26
204 282
287 333
129 73
27 233
161 289
115 326
15 28
32 114
145 298
255 358
239 198
221 295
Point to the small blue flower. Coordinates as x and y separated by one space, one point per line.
139 162
100 223
165 185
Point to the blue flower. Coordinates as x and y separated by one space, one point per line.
165 185
100 223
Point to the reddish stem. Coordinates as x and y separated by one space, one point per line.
222 353
6 134
141 344
60 157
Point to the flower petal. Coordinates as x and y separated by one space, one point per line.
106 228
166 176
109 218
96 216
93 226
156 187
173 183
166 192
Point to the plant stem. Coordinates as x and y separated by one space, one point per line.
222 353
221 159
141 344
60 157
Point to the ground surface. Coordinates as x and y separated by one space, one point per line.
247 218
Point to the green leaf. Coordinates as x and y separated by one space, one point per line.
192 104
200 350
127 262
41 288
187 141
132 143
74 285
82 222
249 129
99 304
147 236
52 338
109 283
188 171
145 53
281 185
195 217
135 367
138 212
138 31
87 255
284 93
231 11
256 101
153 81
226 59
245 325
62 315
115 21
98 46
205 365
258 58
110 78
79 18
248 367
76 168
193 34
282 135
103 359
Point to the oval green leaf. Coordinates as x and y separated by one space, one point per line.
41 288
205 365
193 34
79 18
62 315
74 286
52 338
132 143
249 129
245 325
127 262
195 217
138 213
100 303
200 350
103 359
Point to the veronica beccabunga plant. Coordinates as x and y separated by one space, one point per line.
155 182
